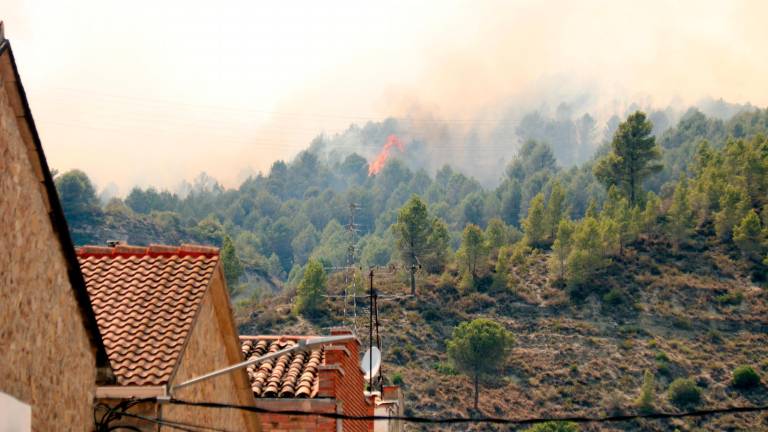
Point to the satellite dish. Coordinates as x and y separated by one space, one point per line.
371 363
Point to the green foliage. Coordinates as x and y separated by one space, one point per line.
397 379
749 236
309 294
586 257
733 206
473 252
233 268
78 198
632 159
646 400
680 217
684 392
561 249
438 247
554 212
479 347
554 426
533 226
412 229
497 233
744 377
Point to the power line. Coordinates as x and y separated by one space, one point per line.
480 420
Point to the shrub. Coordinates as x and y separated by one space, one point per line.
614 297
731 298
554 426
645 401
397 379
683 391
744 377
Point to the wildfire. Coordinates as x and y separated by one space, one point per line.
381 158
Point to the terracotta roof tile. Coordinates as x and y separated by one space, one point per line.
145 299
291 375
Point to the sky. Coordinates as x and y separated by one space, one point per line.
153 93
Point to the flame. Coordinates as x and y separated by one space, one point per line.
381 158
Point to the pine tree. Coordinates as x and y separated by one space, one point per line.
554 212
610 236
749 236
680 216
233 268
649 219
309 294
412 230
734 204
561 248
473 251
533 225
587 256
632 159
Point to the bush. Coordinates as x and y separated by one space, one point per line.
614 297
683 391
646 400
554 427
397 379
731 298
744 377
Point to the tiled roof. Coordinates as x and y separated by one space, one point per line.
293 375
145 299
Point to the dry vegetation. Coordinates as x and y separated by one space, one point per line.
688 314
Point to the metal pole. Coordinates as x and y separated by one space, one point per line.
301 344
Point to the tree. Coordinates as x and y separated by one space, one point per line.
649 218
473 250
309 294
412 230
78 198
554 212
680 216
438 247
586 257
533 226
748 236
479 347
496 233
632 158
734 204
233 268
561 248
510 203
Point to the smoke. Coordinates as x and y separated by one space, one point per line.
456 78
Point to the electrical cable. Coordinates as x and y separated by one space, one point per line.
186 427
493 420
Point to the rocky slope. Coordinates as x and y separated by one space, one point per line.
691 313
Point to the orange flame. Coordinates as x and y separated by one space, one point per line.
381 158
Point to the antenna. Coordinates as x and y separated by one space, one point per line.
371 363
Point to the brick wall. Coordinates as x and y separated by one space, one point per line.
46 357
213 344
280 422
348 383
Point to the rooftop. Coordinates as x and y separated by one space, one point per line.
145 300
292 375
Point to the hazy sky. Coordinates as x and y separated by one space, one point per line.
154 92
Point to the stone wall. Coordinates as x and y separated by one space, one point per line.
46 356
213 344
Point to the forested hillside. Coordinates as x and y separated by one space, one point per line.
632 282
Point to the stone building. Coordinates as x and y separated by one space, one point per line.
51 351
165 316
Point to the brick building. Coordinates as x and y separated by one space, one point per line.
327 379
165 316
51 349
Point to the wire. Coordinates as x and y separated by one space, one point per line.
174 424
494 420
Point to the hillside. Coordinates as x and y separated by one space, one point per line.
691 313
